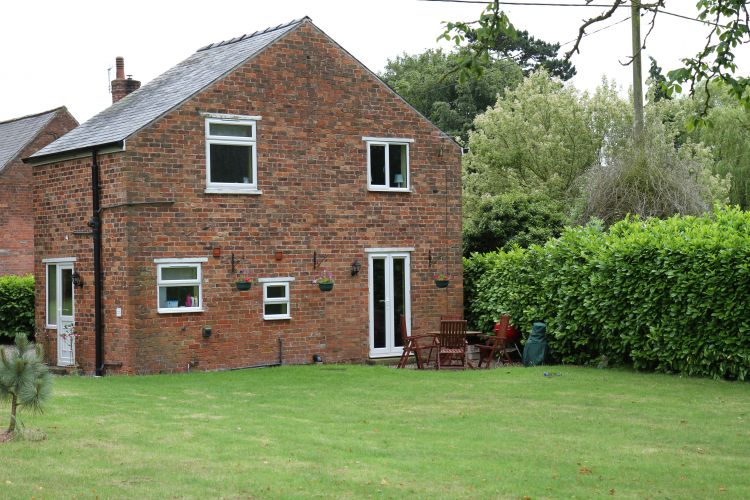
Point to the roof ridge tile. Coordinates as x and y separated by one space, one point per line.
251 35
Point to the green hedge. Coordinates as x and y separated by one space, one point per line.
668 295
16 305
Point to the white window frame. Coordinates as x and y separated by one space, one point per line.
54 262
277 300
387 142
232 187
170 263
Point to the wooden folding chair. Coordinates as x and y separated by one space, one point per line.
450 318
451 343
414 344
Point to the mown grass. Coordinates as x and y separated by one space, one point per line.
353 431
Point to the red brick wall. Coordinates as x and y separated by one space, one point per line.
16 207
316 104
62 201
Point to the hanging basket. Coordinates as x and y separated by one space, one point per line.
244 285
325 287
441 283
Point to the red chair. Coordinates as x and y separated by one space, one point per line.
414 344
497 344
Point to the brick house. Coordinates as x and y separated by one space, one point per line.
19 138
276 155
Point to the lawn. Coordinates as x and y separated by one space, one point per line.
354 431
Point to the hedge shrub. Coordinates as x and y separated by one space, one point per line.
667 295
16 305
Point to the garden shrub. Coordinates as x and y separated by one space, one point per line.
500 222
668 295
16 306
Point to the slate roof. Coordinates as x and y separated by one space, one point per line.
165 92
17 133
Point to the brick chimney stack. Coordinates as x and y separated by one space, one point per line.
122 86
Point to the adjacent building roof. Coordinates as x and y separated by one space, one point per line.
164 93
18 133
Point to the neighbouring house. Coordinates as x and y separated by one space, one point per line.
19 138
275 155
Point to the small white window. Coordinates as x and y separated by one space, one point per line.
231 165
276 300
388 164
179 286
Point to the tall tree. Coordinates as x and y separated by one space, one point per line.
728 22
426 82
657 82
493 36
728 137
540 138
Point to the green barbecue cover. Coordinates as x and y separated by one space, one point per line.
535 349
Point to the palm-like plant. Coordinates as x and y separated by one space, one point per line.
25 380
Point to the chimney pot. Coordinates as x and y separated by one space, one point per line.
120 86
120 65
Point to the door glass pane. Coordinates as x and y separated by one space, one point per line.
179 273
399 298
66 276
377 165
52 294
231 163
397 165
378 305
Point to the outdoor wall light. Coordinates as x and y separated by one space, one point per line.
206 332
77 280
356 266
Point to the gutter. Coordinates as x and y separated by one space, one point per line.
82 152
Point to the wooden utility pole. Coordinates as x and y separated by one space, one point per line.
635 18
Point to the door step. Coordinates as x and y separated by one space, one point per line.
64 370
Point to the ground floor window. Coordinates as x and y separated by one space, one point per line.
276 298
178 283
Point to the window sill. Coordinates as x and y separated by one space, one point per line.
226 190
388 190
180 310
273 318
51 327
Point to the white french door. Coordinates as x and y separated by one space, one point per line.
66 347
390 297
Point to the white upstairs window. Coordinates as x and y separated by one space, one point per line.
231 155
388 164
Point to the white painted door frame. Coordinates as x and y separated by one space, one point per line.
66 347
390 349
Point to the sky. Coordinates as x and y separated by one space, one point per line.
55 53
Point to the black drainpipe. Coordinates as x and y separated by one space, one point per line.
96 229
